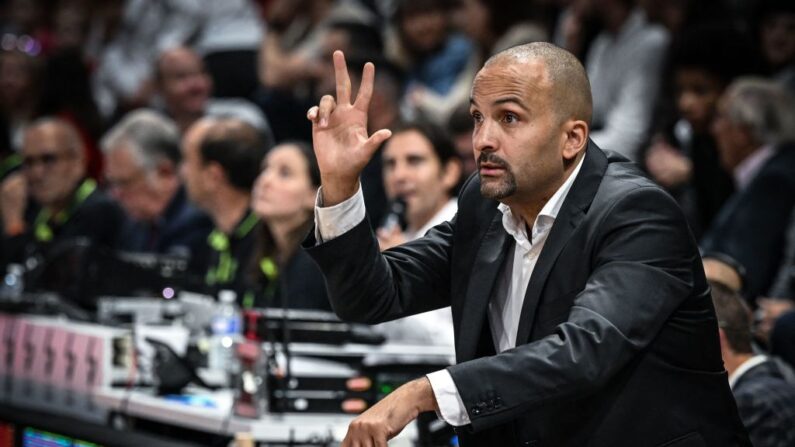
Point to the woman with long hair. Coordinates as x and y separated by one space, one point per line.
284 199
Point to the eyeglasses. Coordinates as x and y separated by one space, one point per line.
46 160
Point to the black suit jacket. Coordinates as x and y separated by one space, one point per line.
617 343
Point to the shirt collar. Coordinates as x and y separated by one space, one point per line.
515 226
746 171
744 368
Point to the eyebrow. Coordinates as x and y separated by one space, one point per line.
505 100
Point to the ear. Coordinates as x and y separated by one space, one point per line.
451 173
576 138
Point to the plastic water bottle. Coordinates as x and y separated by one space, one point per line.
13 283
226 329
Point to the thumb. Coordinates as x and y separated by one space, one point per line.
375 140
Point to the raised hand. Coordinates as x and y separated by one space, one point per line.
339 134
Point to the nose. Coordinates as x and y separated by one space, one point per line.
484 137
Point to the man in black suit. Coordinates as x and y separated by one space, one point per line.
580 308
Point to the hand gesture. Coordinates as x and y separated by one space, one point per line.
388 417
339 134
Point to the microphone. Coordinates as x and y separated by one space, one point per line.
396 215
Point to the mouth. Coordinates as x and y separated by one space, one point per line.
490 169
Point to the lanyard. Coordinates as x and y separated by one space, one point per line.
224 272
270 270
41 226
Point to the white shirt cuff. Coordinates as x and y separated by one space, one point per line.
451 407
334 221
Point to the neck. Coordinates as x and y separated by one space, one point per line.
733 360
63 203
283 232
229 208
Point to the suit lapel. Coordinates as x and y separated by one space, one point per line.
488 262
571 213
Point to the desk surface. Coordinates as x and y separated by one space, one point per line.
270 427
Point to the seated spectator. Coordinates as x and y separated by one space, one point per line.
220 162
624 65
755 131
141 161
431 53
185 88
50 200
422 169
763 387
683 158
284 199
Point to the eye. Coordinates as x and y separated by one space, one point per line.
477 117
510 118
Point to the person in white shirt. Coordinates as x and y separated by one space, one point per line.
421 168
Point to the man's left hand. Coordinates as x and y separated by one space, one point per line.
388 417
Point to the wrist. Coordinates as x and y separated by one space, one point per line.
334 192
423 395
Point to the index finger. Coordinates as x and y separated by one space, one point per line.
343 80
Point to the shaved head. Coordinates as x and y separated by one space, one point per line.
569 85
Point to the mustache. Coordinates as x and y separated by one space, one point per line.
488 157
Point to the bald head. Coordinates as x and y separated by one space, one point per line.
569 85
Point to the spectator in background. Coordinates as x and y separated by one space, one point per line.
220 162
755 131
51 200
682 158
284 199
624 64
422 169
186 87
432 55
142 156
763 387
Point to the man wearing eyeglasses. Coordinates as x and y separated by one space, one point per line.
50 200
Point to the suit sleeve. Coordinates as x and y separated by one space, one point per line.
373 287
642 271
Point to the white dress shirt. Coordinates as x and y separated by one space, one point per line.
506 304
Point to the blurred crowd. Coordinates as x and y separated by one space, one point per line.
178 127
